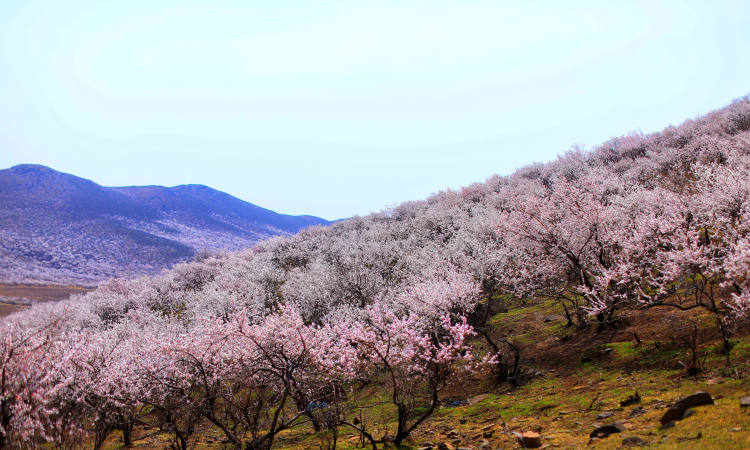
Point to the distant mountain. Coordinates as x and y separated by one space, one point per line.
56 227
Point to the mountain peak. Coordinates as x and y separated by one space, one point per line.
31 169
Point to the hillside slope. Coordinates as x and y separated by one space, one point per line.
56 227
591 291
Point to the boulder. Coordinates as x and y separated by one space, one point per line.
676 411
606 430
637 411
530 439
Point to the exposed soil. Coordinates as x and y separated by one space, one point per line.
40 293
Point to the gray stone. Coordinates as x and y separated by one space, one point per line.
604 415
637 411
606 430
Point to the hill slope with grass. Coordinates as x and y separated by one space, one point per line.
600 299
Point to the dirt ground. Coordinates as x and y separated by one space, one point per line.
40 293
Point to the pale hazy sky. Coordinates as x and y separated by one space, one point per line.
342 108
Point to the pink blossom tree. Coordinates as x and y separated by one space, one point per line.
413 357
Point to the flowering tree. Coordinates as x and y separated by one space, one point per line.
32 384
412 357
563 237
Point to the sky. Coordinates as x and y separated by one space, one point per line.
343 108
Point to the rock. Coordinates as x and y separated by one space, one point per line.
637 411
452 433
688 413
606 430
735 429
487 434
476 436
484 444
745 401
445 446
530 439
634 441
631 400
604 415
669 424
487 427
676 411
456 441
694 438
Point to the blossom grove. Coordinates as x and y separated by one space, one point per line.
286 333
